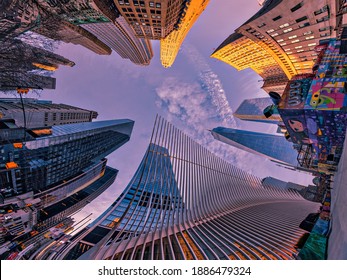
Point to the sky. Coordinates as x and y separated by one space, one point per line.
196 94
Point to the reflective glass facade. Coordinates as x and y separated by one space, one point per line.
273 147
185 203
60 153
252 110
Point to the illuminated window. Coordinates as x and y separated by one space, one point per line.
287 30
274 34
283 44
270 30
280 40
284 25
292 37
298 47
295 41
309 37
313 44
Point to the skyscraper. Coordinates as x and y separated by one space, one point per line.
42 113
20 59
252 110
278 41
185 203
274 147
41 167
121 38
168 21
102 19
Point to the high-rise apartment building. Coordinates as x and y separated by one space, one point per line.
42 167
185 203
168 21
274 147
253 110
42 113
278 41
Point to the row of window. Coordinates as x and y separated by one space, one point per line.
140 3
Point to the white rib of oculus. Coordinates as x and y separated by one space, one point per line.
186 203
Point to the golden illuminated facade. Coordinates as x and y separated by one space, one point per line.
165 20
278 41
170 46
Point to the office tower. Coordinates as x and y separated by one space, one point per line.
274 147
278 41
81 11
121 38
102 19
27 66
17 16
185 203
168 21
42 113
40 167
253 110
55 28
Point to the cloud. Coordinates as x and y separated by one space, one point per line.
200 105
212 85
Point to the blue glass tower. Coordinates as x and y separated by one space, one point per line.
274 147
252 110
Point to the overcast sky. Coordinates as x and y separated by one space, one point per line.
196 94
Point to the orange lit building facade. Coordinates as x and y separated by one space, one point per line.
278 41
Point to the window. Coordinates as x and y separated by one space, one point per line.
280 40
292 37
324 28
322 10
277 18
295 41
287 50
270 30
298 47
274 34
287 30
296 7
309 37
300 51
301 19
283 44
308 32
261 25
325 18
324 34
313 44
304 24
284 25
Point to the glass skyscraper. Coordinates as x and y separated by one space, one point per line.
274 147
252 110
186 203
42 170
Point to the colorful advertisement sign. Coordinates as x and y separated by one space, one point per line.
296 92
